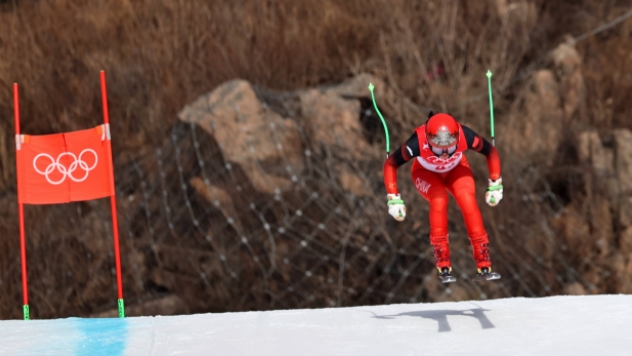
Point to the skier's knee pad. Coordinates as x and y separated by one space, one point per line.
466 198
439 201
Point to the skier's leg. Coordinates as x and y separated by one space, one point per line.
431 187
460 182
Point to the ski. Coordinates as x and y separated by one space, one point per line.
447 279
486 276
445 275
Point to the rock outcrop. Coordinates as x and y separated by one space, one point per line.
599 228
249 134
550 101
269 147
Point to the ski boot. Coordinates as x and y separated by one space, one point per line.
483 261
445 275
486 274
441 252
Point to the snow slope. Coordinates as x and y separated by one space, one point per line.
586 325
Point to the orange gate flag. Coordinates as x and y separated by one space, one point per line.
63 168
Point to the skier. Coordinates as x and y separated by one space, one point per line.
440 168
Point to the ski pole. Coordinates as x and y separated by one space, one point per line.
388 144
491 104
491 118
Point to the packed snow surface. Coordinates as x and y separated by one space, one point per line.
578 325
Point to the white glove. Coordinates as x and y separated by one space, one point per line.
396 206
494 193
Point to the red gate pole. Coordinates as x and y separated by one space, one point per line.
117 250
18 143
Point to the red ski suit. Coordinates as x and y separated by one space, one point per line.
434 177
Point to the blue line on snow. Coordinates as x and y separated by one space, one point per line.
105 337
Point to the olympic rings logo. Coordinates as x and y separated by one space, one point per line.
66 172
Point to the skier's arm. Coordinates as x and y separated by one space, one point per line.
479 144
403 154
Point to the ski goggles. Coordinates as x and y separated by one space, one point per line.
440 151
